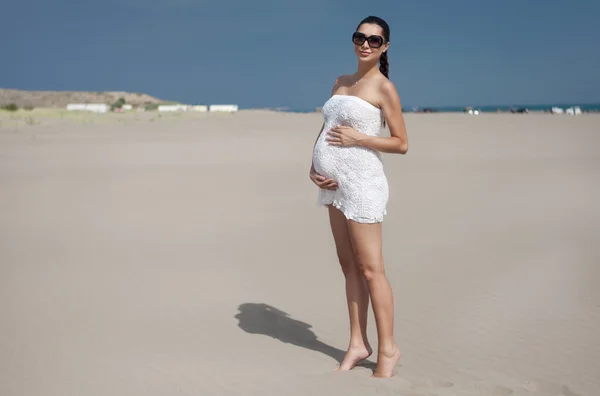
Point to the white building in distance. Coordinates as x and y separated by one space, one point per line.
223 108
93 107
173 108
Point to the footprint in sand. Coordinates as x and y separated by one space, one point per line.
548 388
433 383
483 388
430 386
418 387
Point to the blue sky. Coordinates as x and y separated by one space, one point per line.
287 53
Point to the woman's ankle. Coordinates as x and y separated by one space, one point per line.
388 348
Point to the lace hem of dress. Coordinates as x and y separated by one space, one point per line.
350 215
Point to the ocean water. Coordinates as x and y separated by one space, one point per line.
593 107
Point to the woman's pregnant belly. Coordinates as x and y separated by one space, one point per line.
338 163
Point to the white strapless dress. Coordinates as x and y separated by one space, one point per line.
362 192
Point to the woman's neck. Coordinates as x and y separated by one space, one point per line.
366 70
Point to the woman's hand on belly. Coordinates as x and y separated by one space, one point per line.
321 181
345 136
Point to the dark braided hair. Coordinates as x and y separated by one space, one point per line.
384 65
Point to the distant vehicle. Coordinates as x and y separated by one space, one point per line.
471 111
519 110
423 110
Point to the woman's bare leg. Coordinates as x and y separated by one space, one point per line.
357 293
368 254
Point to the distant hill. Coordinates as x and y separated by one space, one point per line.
62 98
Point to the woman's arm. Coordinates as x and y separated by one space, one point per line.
320 180
320 132
312 165
336 85
392 109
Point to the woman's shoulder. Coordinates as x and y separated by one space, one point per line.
381 89
387 89
341 81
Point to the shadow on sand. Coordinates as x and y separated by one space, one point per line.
267 320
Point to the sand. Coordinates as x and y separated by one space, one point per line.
185 255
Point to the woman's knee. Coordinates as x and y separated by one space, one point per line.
370 269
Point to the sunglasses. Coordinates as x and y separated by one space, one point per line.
374 41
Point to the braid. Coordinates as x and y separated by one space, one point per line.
384 66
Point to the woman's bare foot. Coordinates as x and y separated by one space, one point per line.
354 355
386 362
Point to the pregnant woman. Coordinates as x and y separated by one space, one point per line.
347 168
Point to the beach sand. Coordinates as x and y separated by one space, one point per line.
185 255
